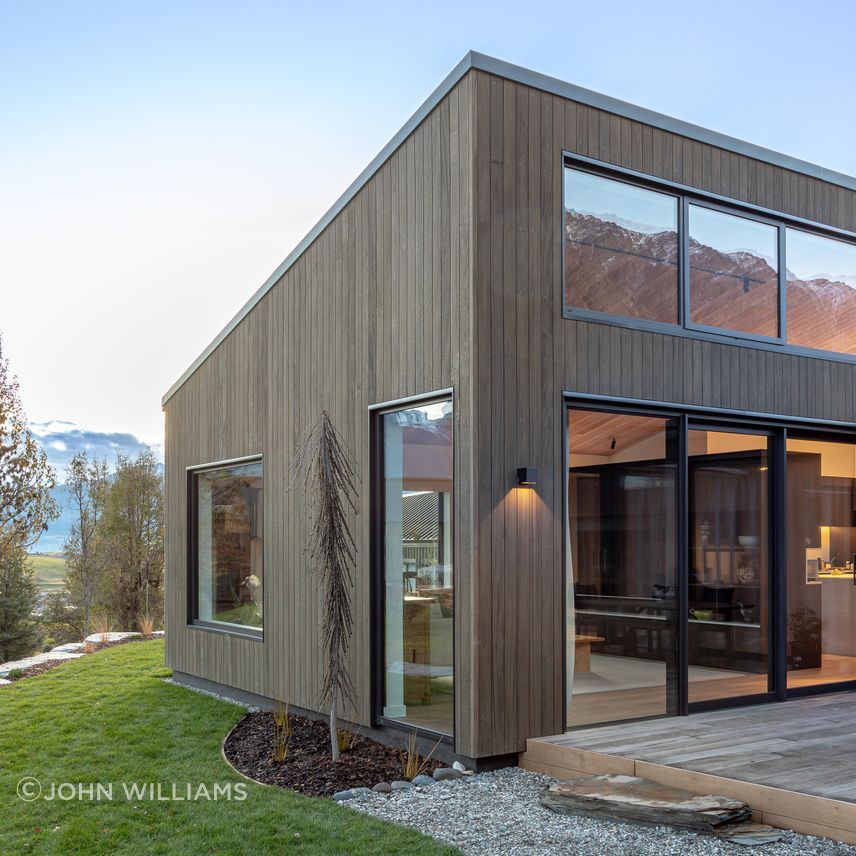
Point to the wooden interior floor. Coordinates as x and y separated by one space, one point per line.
605 707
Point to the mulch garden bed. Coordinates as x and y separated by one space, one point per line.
32 671
308 767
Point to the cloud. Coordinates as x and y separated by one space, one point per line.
61 440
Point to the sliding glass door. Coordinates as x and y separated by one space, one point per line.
728 568
710 563
621 611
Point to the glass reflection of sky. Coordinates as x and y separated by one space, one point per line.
729 234
633 207
814 257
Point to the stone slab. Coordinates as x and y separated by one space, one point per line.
639 800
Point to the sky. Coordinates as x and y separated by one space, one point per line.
159 160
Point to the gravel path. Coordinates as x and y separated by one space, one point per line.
499 813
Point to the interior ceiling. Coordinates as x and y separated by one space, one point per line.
591 433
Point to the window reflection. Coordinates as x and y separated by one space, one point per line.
419 585
821 292
621 248
229 545
733 272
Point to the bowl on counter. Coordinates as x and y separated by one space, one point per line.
748 540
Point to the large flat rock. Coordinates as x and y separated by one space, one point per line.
642 801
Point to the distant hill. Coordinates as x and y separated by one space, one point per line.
61 440
50 571
53 541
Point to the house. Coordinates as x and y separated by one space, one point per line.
596 367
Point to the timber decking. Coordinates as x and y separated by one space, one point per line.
793 762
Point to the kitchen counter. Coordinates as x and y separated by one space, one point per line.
838 609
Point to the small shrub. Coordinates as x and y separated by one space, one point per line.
15 674
147 626
89 647
103 627
345 739
411 762
282 730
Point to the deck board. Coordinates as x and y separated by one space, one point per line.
788 760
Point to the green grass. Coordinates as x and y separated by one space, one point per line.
110 718
50 572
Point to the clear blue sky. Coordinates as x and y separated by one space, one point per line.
158 160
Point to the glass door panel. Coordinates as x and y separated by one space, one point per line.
728 594
821 548
622 591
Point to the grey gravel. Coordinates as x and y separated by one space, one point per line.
499 813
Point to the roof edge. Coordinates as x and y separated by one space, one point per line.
519 74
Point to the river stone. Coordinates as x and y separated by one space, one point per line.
444 774
423 780
361 792
459 767
343 795
382 788
402 786
643 801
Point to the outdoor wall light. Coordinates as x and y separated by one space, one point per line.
527 476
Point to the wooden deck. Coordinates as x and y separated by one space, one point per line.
794 762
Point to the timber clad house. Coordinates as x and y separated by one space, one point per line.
597 368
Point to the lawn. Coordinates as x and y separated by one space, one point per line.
50 572
110 718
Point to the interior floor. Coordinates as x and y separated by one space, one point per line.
642 693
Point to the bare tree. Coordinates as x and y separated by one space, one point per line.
87 483
26 478
323 468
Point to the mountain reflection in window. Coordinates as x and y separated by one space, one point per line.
821 292
621 248
734 279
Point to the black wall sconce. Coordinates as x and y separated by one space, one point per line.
527 476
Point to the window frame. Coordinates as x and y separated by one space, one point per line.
691 195
377 580
193 620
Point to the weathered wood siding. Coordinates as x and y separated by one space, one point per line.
526 354
378 308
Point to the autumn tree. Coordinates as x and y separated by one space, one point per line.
87 484
26 478
131 531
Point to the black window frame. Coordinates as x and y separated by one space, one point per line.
377 578
687 196
193 620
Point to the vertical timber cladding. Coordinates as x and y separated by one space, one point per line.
526 354
377 308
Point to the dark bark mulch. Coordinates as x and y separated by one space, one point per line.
308 767
32 671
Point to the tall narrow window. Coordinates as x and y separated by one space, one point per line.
821 294
227 545
734 280
418 571
621 248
